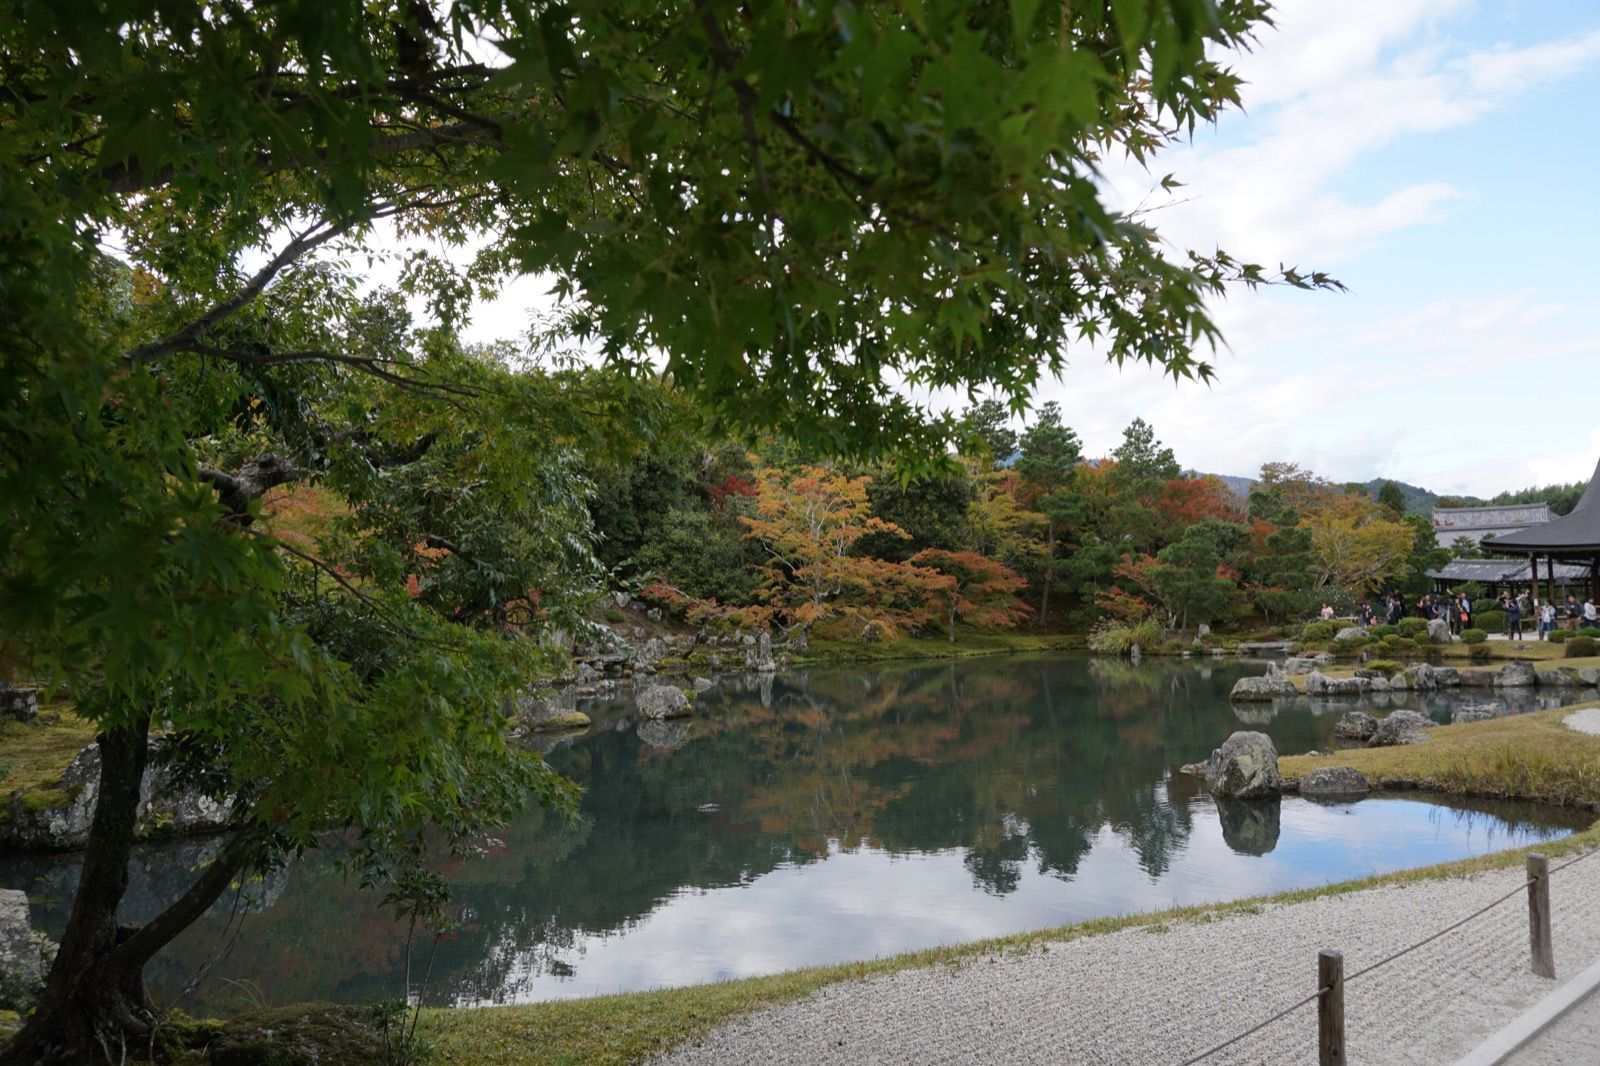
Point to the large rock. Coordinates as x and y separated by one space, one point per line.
662 701
1245 767
1476 678
1304 664
1400 727
647 654
1516 675
759 657
1350 633
1334 781
1421 677
21 704
1320 684
1262 689
1446 676
25 954
57 815
1439 631
1355 725
1560 678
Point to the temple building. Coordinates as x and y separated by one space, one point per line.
1475 523
1572 539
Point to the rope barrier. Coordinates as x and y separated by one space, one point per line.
1250 1032
1523 887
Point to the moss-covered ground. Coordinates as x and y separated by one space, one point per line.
1525 756
35 754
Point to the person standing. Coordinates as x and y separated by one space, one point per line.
1591 614
1513 619
1547 619
1465 612
1573 611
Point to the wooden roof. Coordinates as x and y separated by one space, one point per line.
1577 533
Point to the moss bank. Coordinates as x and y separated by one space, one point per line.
1525 756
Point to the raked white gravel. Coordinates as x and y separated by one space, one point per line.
1159 994
1584 721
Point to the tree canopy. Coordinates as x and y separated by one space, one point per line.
790 212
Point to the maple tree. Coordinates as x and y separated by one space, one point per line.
980 591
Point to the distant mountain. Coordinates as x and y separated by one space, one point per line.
1418 500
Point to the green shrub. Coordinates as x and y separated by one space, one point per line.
1560 636
1413 628
1490 621
1473 636
1589 631
1379 632
1580 647
1356 641
1480 653
1318 631
1386 667
615 615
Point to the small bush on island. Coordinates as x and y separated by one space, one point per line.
1111 637
1473 636
1560 636
1379 632
1386 667
1413 628
1580 647
1480 653
1318 631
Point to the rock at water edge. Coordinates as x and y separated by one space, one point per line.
1335 781
1245 767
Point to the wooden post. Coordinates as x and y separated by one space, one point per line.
1550 582
1330 1008
1544 955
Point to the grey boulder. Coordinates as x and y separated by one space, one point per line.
1400 727
1355 725
1334 781
662 701
1262 689
1244 767
1516 675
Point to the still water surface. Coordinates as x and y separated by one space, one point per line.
828 815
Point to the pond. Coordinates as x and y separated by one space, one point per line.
822 816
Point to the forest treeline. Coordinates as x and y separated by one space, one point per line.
1019 527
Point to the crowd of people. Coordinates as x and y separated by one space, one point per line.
1455 609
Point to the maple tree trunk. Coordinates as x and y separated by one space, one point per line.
94 1007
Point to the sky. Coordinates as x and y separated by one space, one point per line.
1439 157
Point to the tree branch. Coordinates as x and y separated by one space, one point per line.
317 235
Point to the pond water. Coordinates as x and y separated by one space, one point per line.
822 816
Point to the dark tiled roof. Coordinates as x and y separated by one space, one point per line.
1501 571
1577 533
1515 516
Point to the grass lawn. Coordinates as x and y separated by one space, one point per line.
36 754
1529 756
967 645
1525 756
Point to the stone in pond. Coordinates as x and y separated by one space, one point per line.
1245 767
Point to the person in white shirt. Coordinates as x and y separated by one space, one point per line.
1547 619
1590 615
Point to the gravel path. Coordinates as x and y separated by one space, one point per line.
1158 995
1585 721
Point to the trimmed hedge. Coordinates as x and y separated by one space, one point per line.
1559 636
1413 628
1489 621
1473 636
1318 631
1580 647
